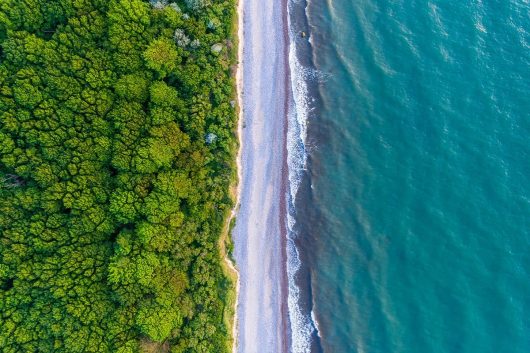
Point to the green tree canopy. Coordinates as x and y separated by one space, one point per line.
161 56
111 201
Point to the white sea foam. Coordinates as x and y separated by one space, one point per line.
315 322
301 325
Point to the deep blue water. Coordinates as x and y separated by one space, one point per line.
417 222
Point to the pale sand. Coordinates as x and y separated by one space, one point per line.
261 315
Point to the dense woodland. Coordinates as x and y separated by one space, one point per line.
117 146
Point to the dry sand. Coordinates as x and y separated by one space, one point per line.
259 234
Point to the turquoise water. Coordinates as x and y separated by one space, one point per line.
416 227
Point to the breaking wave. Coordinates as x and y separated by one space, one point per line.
302 326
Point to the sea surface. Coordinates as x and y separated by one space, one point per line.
409 163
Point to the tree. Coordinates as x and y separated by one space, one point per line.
161 56
111 202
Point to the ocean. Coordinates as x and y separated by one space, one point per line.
409 167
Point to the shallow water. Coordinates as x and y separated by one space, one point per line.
414 216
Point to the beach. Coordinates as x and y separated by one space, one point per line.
259 233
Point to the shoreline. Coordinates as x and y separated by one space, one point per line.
285 181
261 319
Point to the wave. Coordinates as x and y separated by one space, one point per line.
315 323
302 326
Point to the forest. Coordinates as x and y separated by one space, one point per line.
117 154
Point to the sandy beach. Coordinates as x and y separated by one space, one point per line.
259 234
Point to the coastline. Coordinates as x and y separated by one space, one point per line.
261 322
284 208
233 215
